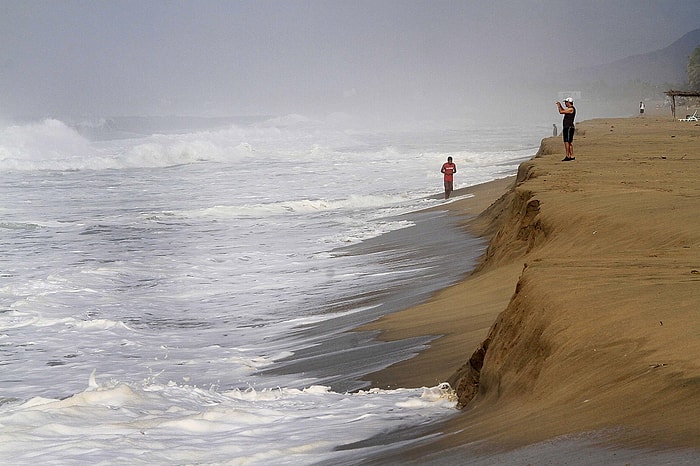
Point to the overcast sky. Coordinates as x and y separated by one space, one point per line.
200 57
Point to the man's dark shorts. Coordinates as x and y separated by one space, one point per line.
568 134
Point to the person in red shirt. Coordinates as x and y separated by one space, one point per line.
449 169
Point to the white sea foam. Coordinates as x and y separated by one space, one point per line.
43 144
141 423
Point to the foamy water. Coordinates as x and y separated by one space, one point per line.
185 296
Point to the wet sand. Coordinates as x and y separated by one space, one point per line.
587 300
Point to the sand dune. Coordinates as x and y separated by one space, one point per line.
586 306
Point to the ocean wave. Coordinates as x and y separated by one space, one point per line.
19 225
41 145
301 206
53 145
11 319
142 422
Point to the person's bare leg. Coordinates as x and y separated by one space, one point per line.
569 149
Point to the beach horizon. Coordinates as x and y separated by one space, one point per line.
580 324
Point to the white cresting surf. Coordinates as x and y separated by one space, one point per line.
181 291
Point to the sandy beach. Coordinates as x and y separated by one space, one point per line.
586 305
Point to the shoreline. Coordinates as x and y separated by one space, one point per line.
434 365
333 351
587 294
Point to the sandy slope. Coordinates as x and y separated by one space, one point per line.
587 301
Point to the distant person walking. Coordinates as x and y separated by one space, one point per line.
569 112
641 108
449 169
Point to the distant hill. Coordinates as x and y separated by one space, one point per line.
667 65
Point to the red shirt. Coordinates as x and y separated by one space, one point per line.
448 169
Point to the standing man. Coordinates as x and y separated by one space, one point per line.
641 108
569 113
449 169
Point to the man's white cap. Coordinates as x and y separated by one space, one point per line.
569 99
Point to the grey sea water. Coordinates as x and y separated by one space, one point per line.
176 291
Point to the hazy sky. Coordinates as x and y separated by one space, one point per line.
200 57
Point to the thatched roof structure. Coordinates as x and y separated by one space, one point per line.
673 94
